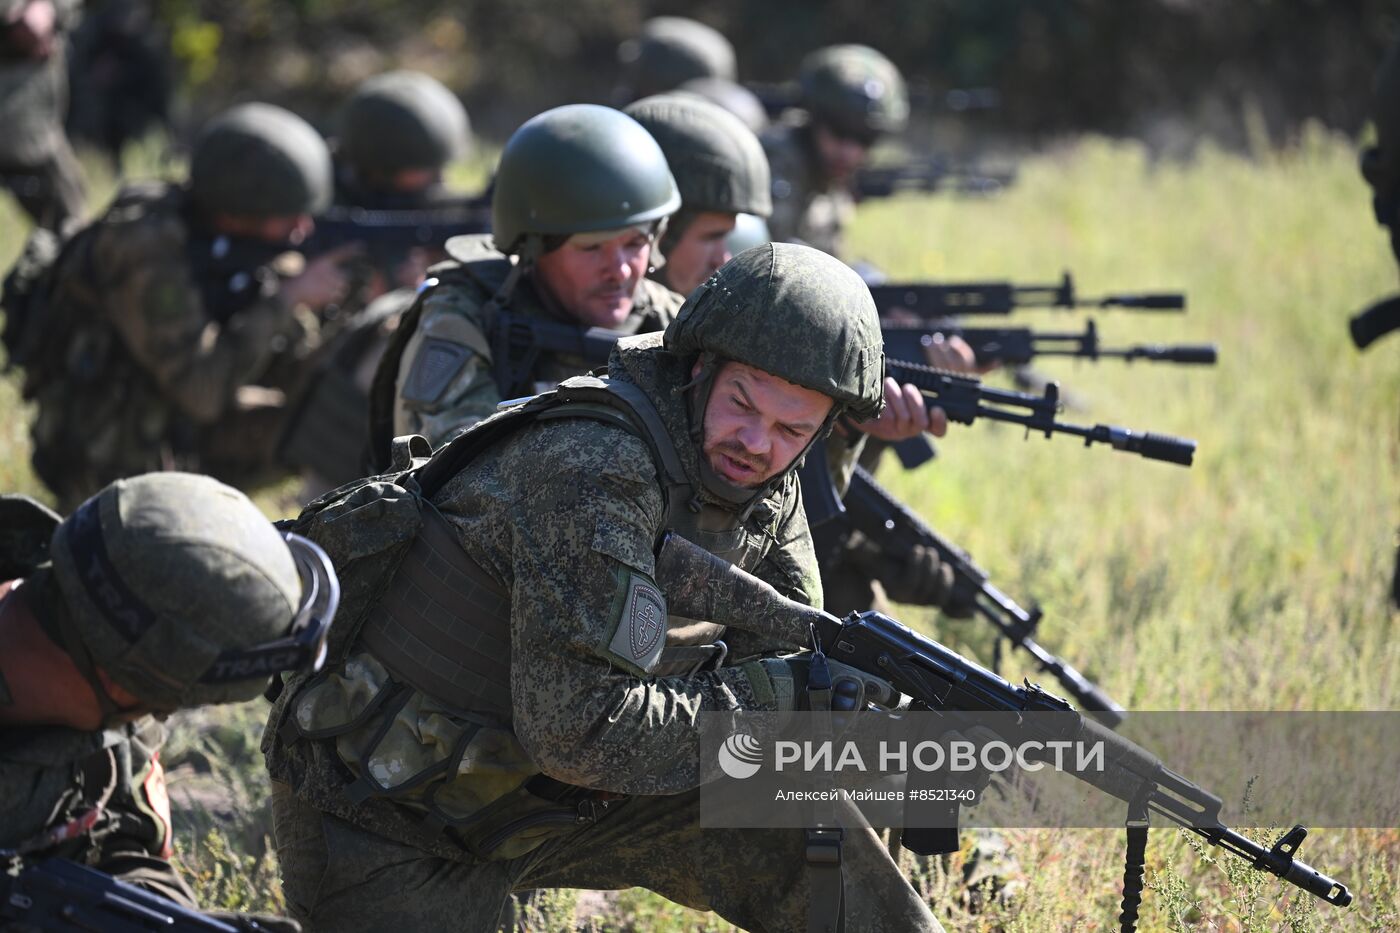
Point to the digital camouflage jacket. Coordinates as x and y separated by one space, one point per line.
148 375
563 517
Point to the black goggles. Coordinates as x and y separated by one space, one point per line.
304 646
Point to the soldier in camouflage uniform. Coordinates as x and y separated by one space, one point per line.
850 96
581 198
37 164
162 592
670 51
544 734
398 132
721 171
163 336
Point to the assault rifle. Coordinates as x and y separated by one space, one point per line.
934 678
1375 322
965 399
517 342
928 174
871 510
399 228
56 894
931 301
1019 345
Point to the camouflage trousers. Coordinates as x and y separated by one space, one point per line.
339 877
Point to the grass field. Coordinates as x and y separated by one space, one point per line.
1254 580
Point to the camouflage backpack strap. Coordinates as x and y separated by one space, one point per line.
443 623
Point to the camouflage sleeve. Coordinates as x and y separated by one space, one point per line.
445 380
790 566
154 304
588 622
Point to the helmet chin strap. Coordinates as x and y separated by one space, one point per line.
741 498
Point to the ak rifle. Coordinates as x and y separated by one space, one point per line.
928 175
870 509
56 894
1016 346
930 301
937 679
964 400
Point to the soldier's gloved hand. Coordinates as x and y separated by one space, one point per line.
916 575
851 689
255 923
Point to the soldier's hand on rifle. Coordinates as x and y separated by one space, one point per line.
905 415
851 689
325 280
951 352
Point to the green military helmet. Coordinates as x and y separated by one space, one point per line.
402 120
181 591
854 90
1380 164
749 231
795 312
718 163
732 96
579 168
259 160
672 50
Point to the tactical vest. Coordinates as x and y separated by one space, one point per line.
432 643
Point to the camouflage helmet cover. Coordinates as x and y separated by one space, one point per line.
855 90
670 51
718 163
795 312
403 120
161 574
262 161
577 169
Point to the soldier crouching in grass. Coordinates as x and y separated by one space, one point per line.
163 592
500 715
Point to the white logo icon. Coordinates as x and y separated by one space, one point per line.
740 756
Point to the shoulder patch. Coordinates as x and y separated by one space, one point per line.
435 365
641 626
